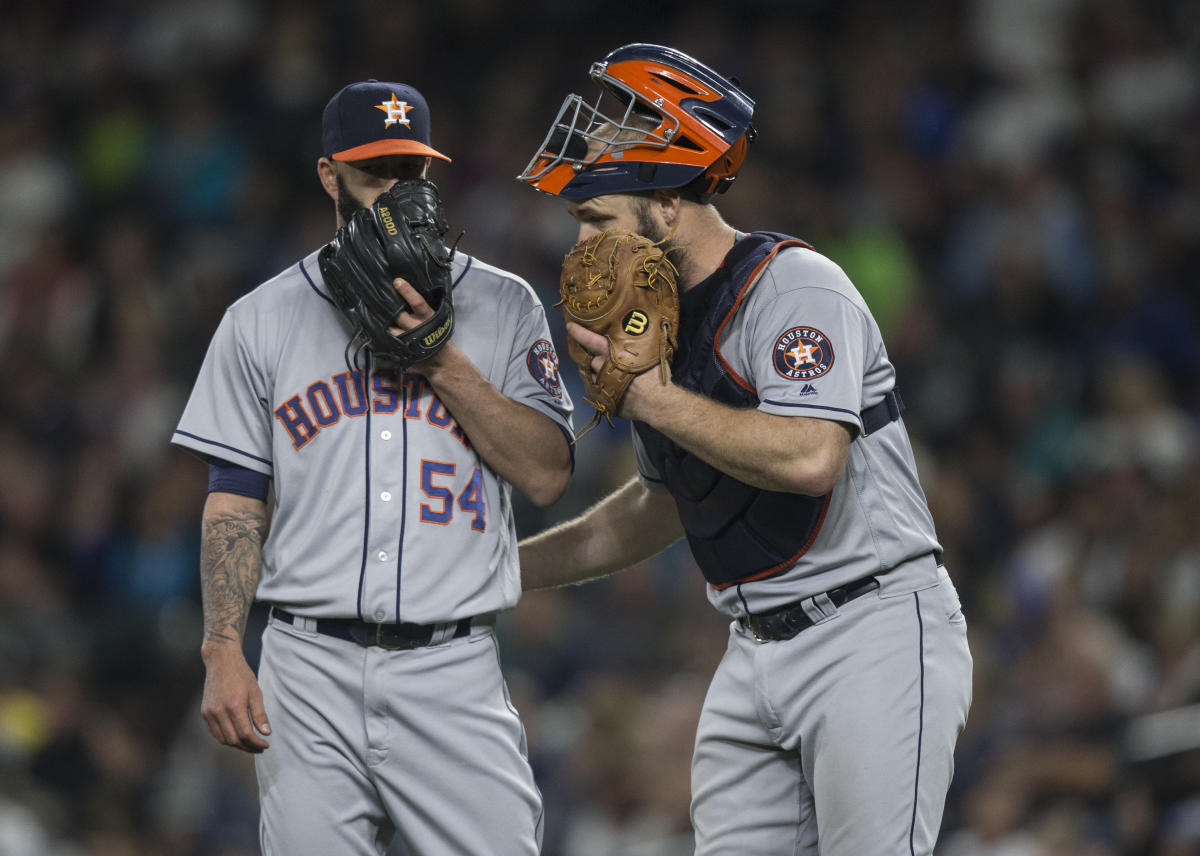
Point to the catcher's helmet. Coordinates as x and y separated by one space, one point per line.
676 123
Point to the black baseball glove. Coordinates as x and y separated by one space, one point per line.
400 235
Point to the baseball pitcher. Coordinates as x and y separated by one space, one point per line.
392 390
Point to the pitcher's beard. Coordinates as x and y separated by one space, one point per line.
346 203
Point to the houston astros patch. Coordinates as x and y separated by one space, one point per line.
542 361
803 353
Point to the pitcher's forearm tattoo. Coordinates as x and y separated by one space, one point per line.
230 565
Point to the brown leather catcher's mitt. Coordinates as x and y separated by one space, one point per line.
622 286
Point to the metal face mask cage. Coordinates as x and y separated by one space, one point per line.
575 138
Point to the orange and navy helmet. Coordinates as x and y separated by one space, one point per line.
662 120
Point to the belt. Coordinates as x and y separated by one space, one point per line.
394 636
788 620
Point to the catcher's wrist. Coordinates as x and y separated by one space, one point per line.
639 402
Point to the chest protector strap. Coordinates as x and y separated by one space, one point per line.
737 533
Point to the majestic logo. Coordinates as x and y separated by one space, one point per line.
807 389
635 323
397 111
543 365
803 353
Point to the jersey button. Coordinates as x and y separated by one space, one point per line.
385 496
379 615
382 556
385 435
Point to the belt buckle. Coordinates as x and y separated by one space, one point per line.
405 643
750 624
359 633
782 625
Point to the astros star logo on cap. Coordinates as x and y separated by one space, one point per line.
397 111
351 130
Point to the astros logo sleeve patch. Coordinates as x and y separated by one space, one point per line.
802 353
543 365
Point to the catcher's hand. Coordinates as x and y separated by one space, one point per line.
400 235
622 286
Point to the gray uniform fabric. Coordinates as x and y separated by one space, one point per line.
839 741
377 516
366 742
877 517
383 512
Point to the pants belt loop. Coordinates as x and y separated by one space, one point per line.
304 625
443 633
818 607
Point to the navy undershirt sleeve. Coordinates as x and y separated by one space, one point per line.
231 478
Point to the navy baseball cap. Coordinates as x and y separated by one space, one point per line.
373 119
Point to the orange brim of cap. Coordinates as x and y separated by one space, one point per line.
383 148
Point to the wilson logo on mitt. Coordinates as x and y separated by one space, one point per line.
635 323
622 286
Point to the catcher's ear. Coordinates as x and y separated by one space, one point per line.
669 202
327 173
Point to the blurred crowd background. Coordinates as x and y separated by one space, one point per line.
1014 185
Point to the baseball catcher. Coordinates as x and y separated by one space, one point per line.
400 235
622 286
778 450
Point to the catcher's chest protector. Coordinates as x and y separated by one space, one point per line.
737 532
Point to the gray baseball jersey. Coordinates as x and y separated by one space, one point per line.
840 740
383 512
804 339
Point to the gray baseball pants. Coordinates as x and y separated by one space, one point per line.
368 744
840 740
